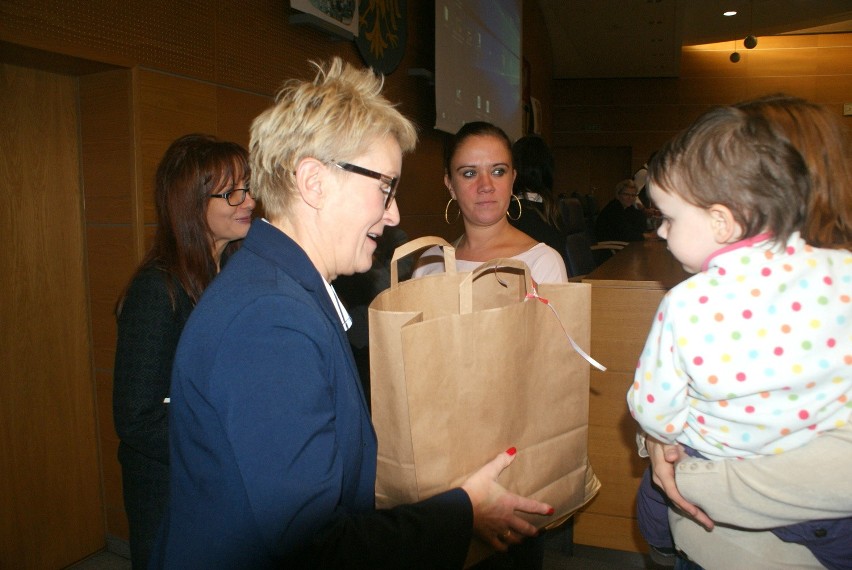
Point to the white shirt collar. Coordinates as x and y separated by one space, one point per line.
345 319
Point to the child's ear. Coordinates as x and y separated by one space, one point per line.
726 229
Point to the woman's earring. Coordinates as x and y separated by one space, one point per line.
520 209
447 213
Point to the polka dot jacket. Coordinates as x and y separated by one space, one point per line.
752 356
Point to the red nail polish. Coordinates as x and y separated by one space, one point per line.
550 511
511 451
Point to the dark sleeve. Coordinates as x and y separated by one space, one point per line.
616 223
148 333
635 224
533 224
606 224
432 534
282 421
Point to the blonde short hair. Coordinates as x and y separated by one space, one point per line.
337 116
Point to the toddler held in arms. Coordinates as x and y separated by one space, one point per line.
750 356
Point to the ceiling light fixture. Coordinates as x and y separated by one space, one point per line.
735 56
730 13
750 42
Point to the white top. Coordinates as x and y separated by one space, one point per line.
752 356
545 263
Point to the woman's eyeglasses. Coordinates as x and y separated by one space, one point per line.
389 183
234 197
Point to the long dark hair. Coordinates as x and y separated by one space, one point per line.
826 146
534 164
193 167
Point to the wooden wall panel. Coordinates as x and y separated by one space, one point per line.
235 111
833 90
249 45
112 260
723 88
107 145
785 62
421 188
176 35
816 67
835 61
168 107
703 62
51 496
803 86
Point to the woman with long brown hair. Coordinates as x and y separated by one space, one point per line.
203 207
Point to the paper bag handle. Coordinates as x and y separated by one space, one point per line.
416 245
494 265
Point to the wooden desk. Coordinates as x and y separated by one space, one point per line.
626 291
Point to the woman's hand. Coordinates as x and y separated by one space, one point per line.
663 458
494 518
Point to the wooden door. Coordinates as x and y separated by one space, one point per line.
50 489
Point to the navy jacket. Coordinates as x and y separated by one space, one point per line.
273 455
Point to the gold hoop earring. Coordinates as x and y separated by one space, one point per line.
447 213
520 209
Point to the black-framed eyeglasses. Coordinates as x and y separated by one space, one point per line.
631 194
389 183
234 197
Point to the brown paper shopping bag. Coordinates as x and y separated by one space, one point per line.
463 366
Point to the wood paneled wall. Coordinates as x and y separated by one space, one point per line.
51 494
249 47
645 113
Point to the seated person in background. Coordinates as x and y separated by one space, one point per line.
747 358
540 217
479 173
621 219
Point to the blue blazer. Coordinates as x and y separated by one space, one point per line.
273 455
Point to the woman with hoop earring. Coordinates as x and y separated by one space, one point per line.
479 174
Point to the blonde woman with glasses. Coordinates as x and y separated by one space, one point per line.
273 452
